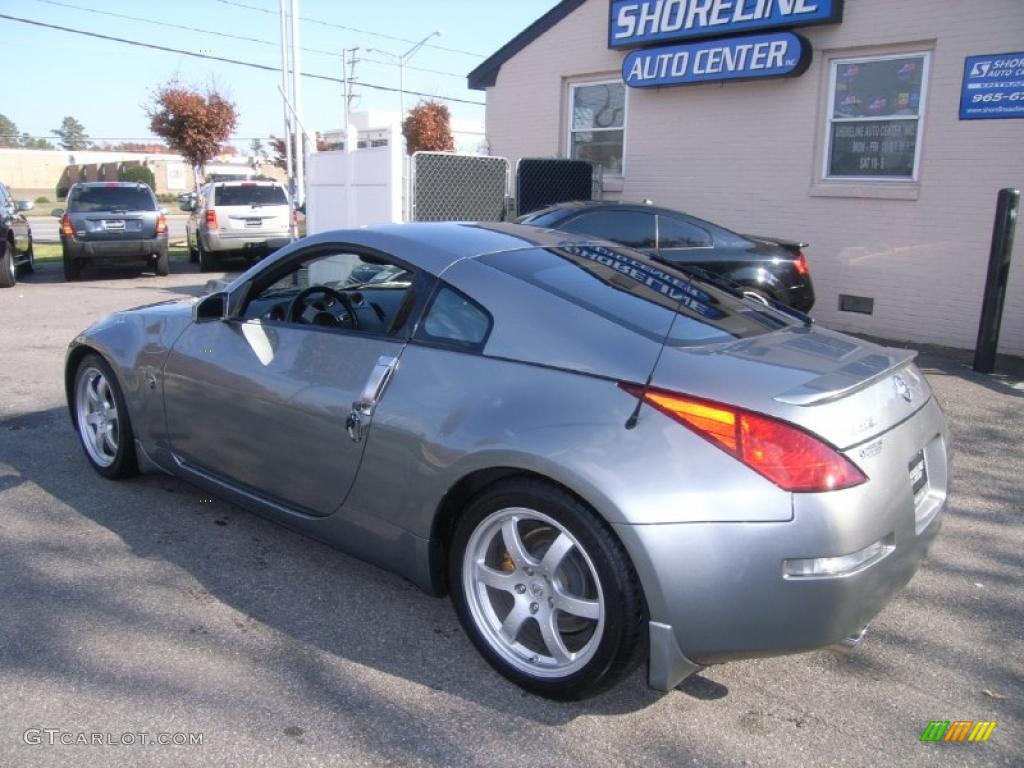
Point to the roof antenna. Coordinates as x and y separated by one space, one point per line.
642 397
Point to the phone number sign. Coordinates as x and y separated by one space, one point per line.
993 87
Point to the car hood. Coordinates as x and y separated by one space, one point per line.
844 389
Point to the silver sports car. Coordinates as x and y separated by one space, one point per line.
600 457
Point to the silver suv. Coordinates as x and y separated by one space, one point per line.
246 218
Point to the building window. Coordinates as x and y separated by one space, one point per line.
597 124
876 111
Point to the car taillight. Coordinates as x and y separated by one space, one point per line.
801 263
161 224
785 454
65 225
211 219
295 218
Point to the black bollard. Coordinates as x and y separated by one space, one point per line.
1007 208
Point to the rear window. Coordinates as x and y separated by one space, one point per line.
638 293
246 195
90 199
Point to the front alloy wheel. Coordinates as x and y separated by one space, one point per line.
545 590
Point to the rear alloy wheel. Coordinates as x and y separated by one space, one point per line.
545 591
101 417
8 272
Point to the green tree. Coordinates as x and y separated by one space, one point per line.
138 173
34 142
8 132
71 134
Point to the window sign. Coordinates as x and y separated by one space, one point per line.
778 54
874 124
633 23
597 124
993 87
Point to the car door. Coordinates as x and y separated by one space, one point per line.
685 242
281 404
15 221
637 229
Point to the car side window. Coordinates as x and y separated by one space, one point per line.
632 228
341 289
679 233
454 318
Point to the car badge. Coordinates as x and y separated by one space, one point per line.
901 388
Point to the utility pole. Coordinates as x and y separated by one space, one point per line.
402 59
286 93
348 69
300 145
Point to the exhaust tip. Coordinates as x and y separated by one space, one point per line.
849 644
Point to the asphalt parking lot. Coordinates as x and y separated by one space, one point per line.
144 606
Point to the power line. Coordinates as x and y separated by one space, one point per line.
239 62
353 29
230 36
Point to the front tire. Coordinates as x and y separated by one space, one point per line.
545 590
101 418
8 272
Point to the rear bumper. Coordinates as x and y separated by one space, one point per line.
801 296
223 241
114 249
722 587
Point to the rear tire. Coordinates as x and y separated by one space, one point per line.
545 590
101 419
8 272
30 261
72 267
162 265
207 263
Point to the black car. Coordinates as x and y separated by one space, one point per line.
767 266
15 238
113 221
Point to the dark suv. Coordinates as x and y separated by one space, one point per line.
15 238
112 221
765 266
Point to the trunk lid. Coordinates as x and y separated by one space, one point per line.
843 389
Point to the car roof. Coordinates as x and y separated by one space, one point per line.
576 206
434 246
102 184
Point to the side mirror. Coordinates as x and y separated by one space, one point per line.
58 212
185 206
163 211
212 307
25 205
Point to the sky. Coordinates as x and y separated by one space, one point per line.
106 85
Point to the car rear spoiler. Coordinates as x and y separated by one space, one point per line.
859 373
789 245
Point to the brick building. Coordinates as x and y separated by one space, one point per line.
843 127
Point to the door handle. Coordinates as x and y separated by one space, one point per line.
358 420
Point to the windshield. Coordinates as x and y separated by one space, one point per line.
638 293
245 194
90 199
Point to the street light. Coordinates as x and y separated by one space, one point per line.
402 59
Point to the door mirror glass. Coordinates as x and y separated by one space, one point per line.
25 205
212 307
58 212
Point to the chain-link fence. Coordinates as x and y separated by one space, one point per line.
541 182
450 187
